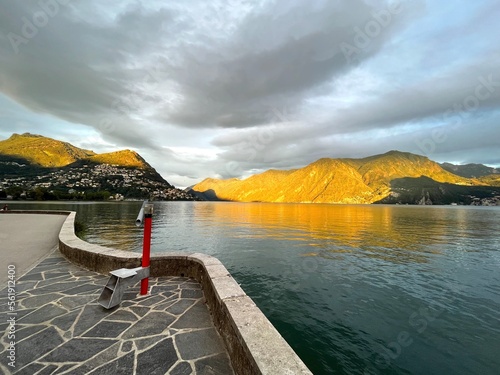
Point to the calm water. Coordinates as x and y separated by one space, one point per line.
353 289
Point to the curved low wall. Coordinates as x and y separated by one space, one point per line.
253 344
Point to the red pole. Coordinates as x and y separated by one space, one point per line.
146 245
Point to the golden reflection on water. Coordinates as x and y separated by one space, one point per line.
387 232
392 233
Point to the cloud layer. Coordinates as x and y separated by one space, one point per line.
229 88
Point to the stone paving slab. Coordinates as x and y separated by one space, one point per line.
61 329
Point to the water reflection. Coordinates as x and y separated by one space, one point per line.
390 233
386 232
340 282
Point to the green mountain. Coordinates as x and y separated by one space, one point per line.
37 167
367 180
425 190
470 170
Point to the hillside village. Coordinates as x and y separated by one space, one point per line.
112 181
41 168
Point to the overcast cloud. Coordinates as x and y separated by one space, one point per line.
230 88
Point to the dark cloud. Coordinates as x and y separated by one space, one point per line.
77 70
262 84
276 58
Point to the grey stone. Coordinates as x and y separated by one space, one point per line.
91 314
164 288
127 304
34 347
105 356
126 346
170 295
77 350
145 343
32 276
207 342
62 369
43 314
24 312
151 324
182 368
121 365
130 296
49 267
55 280
157 360
152 300
43 287
196 317
53 259
52 275
27 285
37 301
192 284
31 369
72 302
163 306
107 329
140 311
216 365
192 293
27 331
64 322
180 306
122 315
83 273
48 370
84 289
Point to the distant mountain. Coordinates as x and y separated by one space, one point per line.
470 170
490 180
42 151
367 180
425 190
33 166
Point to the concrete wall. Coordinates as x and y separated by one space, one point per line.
253 344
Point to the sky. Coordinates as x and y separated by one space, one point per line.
232 88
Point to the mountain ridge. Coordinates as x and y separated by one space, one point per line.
38 167
48 152
340 180
470 170
42 151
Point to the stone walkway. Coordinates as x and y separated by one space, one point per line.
60 329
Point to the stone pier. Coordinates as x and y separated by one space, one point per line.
196 319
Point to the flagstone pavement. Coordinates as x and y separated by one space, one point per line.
59 328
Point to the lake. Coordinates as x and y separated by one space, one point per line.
354 289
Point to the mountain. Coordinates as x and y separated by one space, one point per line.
367 180
124 158
42 151
470 170
425 190
37 167
490 180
